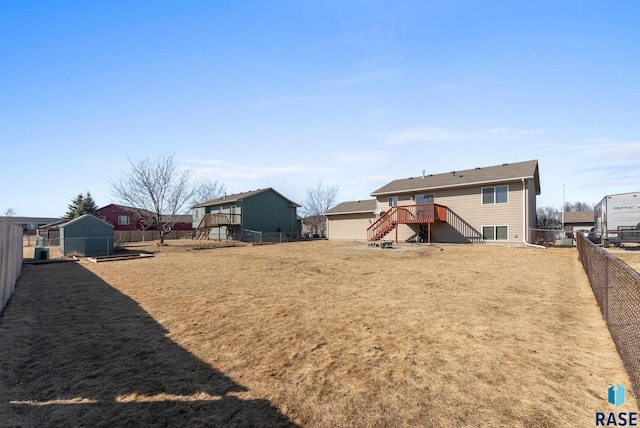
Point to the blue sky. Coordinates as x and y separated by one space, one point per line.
285 94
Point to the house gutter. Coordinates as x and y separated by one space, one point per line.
524 216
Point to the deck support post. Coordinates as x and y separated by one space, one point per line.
429 233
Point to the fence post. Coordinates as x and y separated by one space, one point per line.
11 249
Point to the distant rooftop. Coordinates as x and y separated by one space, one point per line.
353 207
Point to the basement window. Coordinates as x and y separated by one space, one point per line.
495 233
495 195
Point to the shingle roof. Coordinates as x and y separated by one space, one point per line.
469 177
353 207
33 220
82 218
578 217
238 197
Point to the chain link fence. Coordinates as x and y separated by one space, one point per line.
258 237
617 289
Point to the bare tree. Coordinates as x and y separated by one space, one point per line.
578 206
319 200
548 218
208 190
157 189
8 215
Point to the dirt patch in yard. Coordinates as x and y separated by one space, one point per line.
312 334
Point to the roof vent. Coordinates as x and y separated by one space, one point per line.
477 168
423 173
505 164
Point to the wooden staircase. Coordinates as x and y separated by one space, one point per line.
421 214
409 214
381 227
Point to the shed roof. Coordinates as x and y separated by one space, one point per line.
465 178
85 217
239 197
352 207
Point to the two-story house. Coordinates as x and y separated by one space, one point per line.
488 204
263 210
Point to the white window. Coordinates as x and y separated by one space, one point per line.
495 233
495 195
393 201
425 199
123 219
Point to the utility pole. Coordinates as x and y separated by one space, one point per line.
563 211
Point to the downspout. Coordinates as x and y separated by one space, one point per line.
524 217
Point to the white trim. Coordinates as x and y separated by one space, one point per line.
350 212
494 195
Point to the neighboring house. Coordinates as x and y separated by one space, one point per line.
128 218
349 221
121 217
577 221
489 204
86 235
31 224
263 210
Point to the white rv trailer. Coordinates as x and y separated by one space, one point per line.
617 218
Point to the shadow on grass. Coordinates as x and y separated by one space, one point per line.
83 354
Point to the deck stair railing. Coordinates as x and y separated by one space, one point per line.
409 214
464 228
385 224
421 214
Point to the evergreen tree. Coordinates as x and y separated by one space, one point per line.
89 205
81 205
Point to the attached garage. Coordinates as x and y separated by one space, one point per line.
86 235
349 221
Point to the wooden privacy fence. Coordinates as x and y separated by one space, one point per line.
10 260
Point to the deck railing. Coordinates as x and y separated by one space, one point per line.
214 220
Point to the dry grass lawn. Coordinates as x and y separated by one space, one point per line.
631 258
309 334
